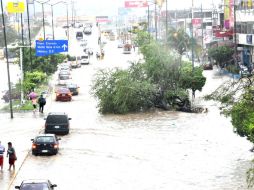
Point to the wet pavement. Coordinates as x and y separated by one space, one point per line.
149 151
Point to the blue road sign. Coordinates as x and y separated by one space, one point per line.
49 47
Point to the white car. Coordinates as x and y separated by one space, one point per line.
64 79
85 59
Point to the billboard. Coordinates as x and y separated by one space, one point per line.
135 4
101 19
15 7
228 14
196 22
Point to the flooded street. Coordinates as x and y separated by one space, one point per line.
158 150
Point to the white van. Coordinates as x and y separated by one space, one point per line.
85 59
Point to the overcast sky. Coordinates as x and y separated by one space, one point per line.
110 7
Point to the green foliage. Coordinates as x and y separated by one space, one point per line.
142 38
179 40
158 81
222 55
47 64
32 80
242 115
189 79
122 91
11 34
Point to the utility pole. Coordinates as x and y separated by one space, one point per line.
67 7
202 27
148 19
155 17
29 35
166 36
235 45
7 60
192 36
52 20
43 22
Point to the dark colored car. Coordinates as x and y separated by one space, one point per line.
38 184
57 123
15 95
74 88
208 66
45 144
63 94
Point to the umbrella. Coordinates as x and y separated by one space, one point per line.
32 95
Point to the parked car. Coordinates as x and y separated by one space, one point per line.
63 94
45 144
74 88
57 123
208 66
15 95
36 185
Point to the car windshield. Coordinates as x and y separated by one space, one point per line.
63 90
72 86
34 186
84 57
72 58
44 139
64 77
54 119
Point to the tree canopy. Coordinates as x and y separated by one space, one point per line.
11 33
158 82
223 55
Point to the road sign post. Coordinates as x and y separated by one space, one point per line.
49 47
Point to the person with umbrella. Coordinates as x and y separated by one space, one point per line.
32 96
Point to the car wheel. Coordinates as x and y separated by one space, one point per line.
35 154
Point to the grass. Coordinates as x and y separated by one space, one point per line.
27 104
17 106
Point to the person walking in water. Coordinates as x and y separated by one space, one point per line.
2 150
42 103
12 156
34 102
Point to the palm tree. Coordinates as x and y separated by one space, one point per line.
179 40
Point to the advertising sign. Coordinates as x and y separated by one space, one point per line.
196 22
135 4
15 7
100 19
228 14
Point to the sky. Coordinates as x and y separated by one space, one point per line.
110 7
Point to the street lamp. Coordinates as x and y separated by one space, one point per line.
155 16
6 53
43 22
29 33
52 18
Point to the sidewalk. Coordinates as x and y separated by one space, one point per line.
20 130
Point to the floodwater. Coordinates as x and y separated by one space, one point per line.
157 150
